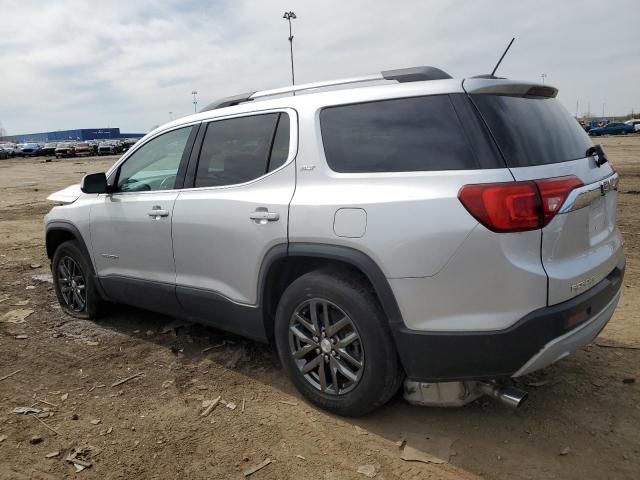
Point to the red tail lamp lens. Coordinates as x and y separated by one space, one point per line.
517 206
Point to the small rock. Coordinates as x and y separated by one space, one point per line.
92 343
35 265
3 438
360 431
629 380
21 337
368 471
231 406
52 455
136 443
35 440
167 383
30 287
109 430
95 421
565 451
150 333
75 416
64 396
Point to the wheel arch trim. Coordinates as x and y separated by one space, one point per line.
70 228
360 261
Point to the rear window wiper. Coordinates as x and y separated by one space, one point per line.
598 152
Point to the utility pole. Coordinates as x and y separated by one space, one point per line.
543 76
577 104
195 101
291 16
603 110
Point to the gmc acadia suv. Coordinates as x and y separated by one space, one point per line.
445 233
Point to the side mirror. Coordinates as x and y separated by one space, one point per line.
94 183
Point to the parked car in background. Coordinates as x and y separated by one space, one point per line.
4 154
83 149
10 148
128 143
31 149
94 146
66 149
635 123
613 128
109 148
49 149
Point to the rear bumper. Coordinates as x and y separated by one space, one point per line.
535 341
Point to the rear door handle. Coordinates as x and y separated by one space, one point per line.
157 211
262 216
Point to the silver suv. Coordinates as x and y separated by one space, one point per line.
413 227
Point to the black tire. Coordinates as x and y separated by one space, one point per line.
92 301
381 373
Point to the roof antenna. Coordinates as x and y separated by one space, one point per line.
500 61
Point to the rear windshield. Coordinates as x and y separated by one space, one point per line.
399 135
533 130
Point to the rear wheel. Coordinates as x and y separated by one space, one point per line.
335 344
73 281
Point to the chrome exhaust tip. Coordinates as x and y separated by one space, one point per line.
509 396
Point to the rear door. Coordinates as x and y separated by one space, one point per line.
233 210
540 139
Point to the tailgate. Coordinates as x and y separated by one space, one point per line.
582 244
539 139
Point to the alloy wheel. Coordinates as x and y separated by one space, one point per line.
72 284
326 346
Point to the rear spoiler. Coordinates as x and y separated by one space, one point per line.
480 86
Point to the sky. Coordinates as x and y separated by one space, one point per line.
128 63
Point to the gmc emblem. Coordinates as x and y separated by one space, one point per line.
608 185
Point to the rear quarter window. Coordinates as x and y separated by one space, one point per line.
397 135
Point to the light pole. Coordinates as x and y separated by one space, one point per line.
195 101
291 16
543 76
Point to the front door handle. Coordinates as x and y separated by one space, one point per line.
157 211
262 216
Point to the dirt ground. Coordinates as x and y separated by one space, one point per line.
581 421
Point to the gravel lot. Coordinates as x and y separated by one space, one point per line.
581 420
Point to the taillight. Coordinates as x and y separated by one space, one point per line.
517 206
554 192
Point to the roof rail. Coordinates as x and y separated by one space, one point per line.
401 75
229 101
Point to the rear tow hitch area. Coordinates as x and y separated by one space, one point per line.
457 394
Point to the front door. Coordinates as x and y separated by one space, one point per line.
236 211
131 227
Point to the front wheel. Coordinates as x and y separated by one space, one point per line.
335 344
73 281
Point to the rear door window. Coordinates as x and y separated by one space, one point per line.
533 130
242 149
398 135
